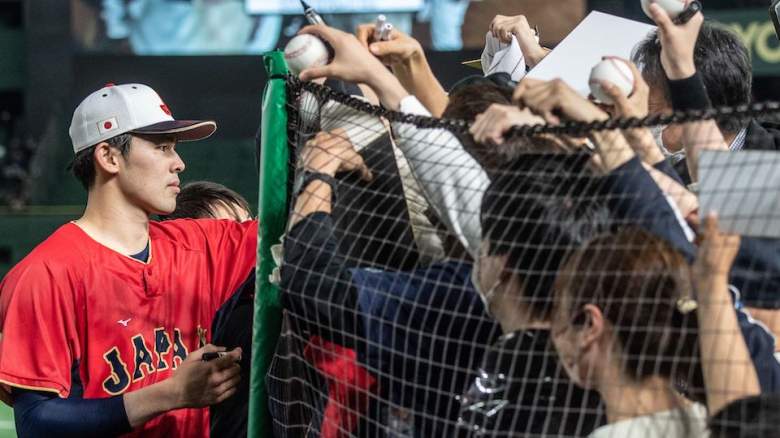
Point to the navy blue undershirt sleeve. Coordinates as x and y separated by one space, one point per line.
39 414
142 256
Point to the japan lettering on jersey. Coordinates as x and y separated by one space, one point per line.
74 304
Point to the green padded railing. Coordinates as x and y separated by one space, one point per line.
272 203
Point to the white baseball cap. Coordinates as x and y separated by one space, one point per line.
137 108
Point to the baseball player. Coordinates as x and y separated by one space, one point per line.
105 323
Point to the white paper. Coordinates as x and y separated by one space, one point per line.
503 57
743 188
598 35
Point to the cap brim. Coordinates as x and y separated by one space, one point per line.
183 130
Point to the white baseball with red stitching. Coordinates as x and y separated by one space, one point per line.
305 51
613 71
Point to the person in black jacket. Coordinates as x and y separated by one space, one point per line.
723 63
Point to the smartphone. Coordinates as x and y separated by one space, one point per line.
773 14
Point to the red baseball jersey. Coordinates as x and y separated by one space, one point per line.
80 319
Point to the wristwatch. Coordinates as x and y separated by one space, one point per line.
304 178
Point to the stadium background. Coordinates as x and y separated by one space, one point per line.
54 52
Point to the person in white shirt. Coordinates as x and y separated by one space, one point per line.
628 324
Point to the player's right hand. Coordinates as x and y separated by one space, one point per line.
399 47
198 383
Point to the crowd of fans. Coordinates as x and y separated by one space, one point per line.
436 281
574 288
16 153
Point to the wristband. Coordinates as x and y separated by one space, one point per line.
306 177
689 94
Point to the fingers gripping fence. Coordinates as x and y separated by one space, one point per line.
571 128
447 294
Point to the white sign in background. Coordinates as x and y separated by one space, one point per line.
598 35
332 6
743 188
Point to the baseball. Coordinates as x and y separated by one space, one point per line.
613 71
672 7
305 51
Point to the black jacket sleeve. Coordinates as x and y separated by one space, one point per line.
634 198
668 169
756 272
316 282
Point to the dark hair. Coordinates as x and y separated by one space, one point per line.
721 59
473 98
467 101
754 417
83 164
535 211
198 199
636 279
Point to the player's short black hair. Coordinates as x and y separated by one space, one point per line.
83 164
535 211
721 59
198 199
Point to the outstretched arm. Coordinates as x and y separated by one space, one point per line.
555 99
451 179
352 63
314 276
635 197
453 182
635 105
729 373
405 56
503 27
687 90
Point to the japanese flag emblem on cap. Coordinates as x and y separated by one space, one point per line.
136 108
108 125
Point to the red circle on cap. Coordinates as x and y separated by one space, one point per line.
107 125
110 84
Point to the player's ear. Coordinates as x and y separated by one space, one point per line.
107 158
